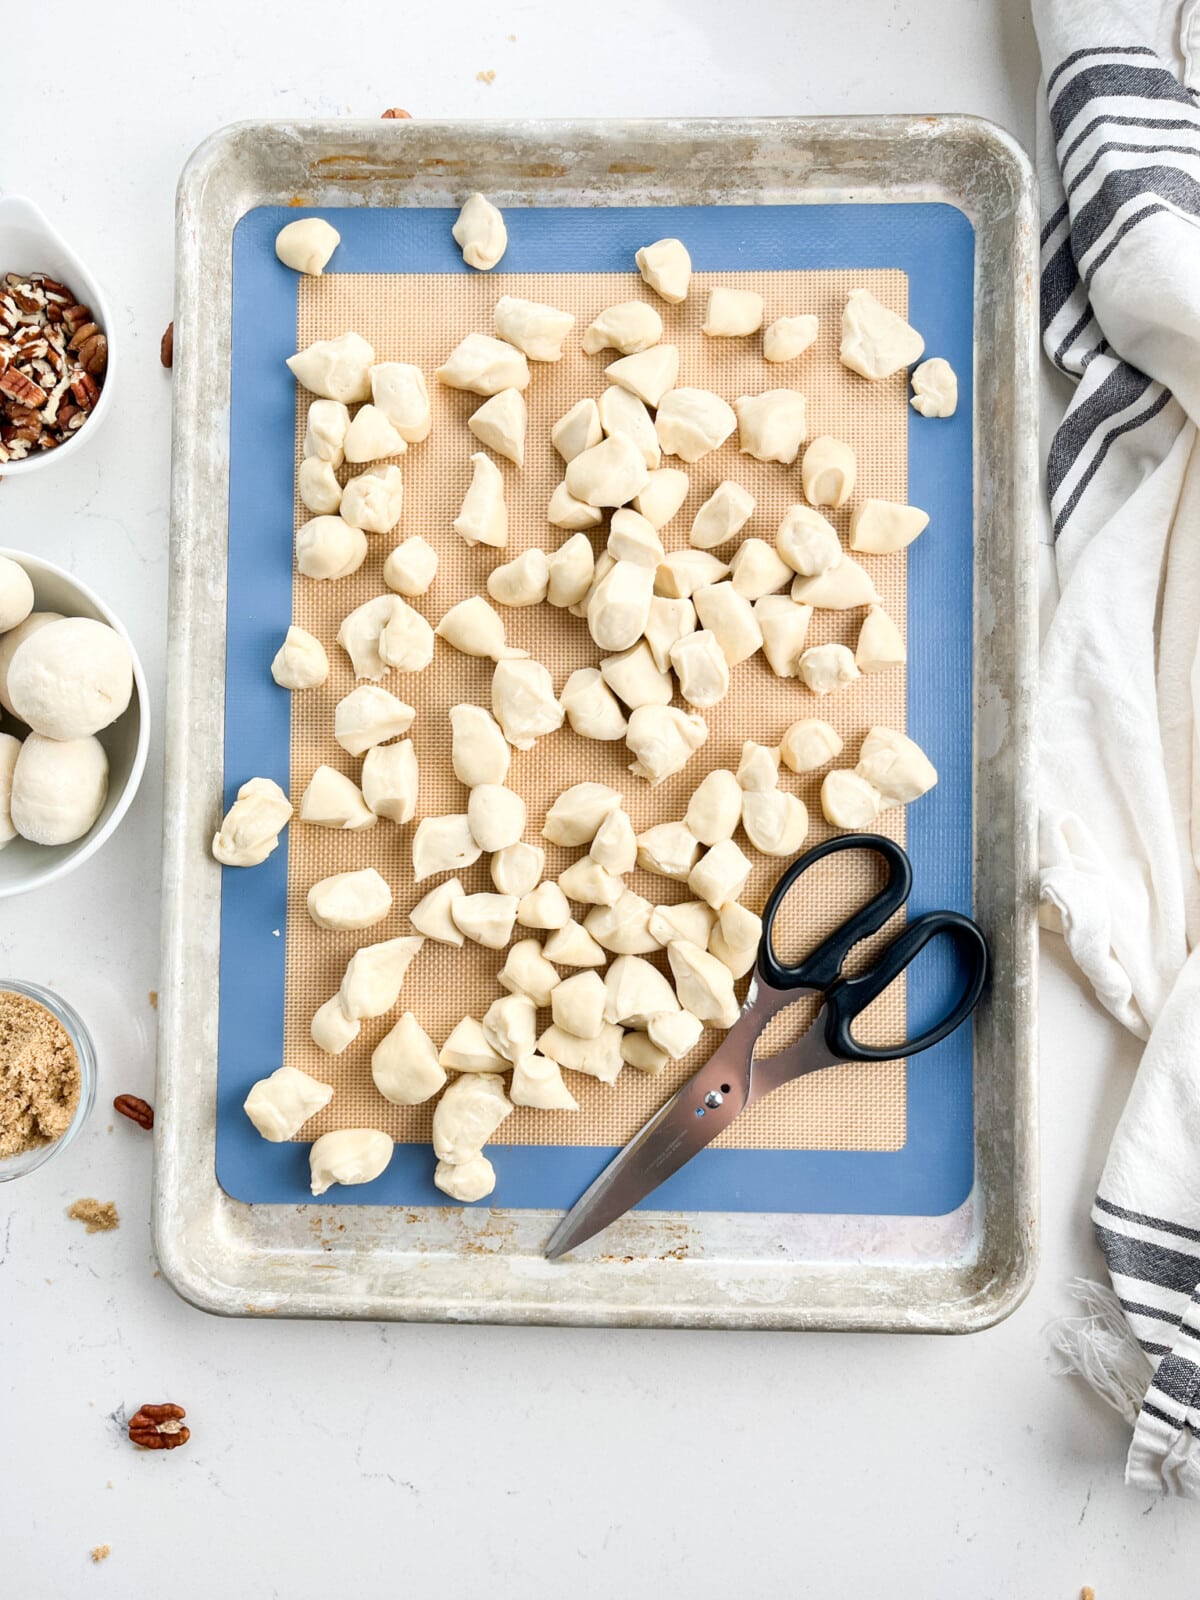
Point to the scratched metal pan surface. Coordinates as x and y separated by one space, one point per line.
955 1273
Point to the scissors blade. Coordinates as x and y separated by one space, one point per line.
809 1053
692 1118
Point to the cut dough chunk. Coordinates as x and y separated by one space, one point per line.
619 605
685 571
634 991
808 542
404 1064
776 822
328 547
280 1105
675 1032
486 918
483 518
648 375
622 412
879 643
662 740
598 1058
375 975
691 422
589 884
572 946
609 474
896 765
725 513
784 624
443 844
332 800
564 511
730 616
669 850
483 365
632 538
576 815
715 808
544 907
373 500
735 938
390 780
757 570
701 668
624 929
350 900
758 768
689 919
411 567
789 337
361 632
841 588
249 831
666 266
336 369
300 662
577 1005
406 643
878 527
615 844
639 1050
325 431
371 437
526 971
720 875
349 1156
496 816
399 390
875 341
369 716
478 749
467 1116
591 707
510 1026
828 471
772 426
480 233
500 423
537 1081
628 327
433 915
809 744
704 984
474 628
849 801
577 430
935 388
668 622
826 667
666 490
538 330
523 581
318 487
732 313
517 869
469 1181
524 703
571 568
633 676
307 244
331 1029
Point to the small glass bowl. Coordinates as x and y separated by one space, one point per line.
30 1160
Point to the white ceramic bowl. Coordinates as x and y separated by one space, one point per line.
25 866
29 244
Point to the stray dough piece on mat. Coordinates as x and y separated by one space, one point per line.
879 527
735 938
300 662
544 906
758 767
524 703
411 567
443 844
703 983
621 411
701 668
935 388
591 707
609 474
828 471
575 817
726 512
691 422
318 487
879 643
720 875
389 781
732 313
564 511
467 1116
715 808
598 1058
332 800
332 1030
665 491
473 627
634 991
615 844
517 868
896 765
374 976
667 267
649 374
662 739
808 542
669 849
500 423
757 570
689 919
633 676
789 337
404 1064
371 437
632 538
480 233
577 1005
809 744
526 971
433 914
350 900
841 588
484 515
875 341
468 1049
406 643
577 430
469 1181
849 801
329 548
335 369
773 425
307 244
400 391
775 821
826 667
589 884
640 1051
252 825
669 621
624 929
496 816
325 433
685 571
483 365
628 327
280 1104
479 751
374 500
675 1032
524 581
573 946
349 1156
368 716
784 625
537 1081
535 329
510 1025
730 616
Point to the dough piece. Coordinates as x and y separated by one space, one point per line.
577 430
691 422
544 907
500 423
662 740
306 246
784 626
730 616
480 233
335 369
589 884
10 749
842 588
318 487
772 426
300 662
609 474
879 527
390 781
757 570
622 412
537 1081
510 1025
523 581
618 607
624 929
935 388
496 816
486 918
685 571
368 716
634 991
572 946
715 808
719 876
564 511
474 628
591 707
629 327
374 500
633 677
349 1156
332 800
361 632
478 750
689 919
524 703
483 365
598 1058
896 765
789 337
666 266
484 515
809 744
648 375
248 834
775 822
735 938
675 1033
371 437
517 869
879 643
828 472
16 594
399 390
328 547
404 1064
669 850
374 976
332 1030
668 622
470 1181
350 900
411 567
875 341
433 914
577 1005
665 491
701 668
538 330
280 1104
632 538
704 985
467 1116
443 844
526 971
325 431
732 313
615 844
71 678
849 801
758 768
725 513
639 1050
826 667
808 542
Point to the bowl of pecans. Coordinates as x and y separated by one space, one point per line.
55 362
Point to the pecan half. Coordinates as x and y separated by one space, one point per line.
136 1109
93 355
76 316
159 1427
395 112
166 350
16 386
85 390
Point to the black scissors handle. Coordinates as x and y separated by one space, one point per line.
820 969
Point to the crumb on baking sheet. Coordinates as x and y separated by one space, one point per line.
485 77
101 1552
97 1216
153 999
39 1075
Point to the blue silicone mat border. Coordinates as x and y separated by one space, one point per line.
934 244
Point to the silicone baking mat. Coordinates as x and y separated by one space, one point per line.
396 283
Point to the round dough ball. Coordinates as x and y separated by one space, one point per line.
58 788
307 244
16 594
72 678
10 643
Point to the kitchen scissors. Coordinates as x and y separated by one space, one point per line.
731 1079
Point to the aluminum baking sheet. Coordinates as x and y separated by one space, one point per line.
756 1267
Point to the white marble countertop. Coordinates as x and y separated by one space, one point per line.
331 1459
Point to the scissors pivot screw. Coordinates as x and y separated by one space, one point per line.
713 1099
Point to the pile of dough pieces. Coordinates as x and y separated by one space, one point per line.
576 946
63 680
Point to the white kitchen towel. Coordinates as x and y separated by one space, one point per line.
1119 159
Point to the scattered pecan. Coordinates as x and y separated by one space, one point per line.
76 316
159 1427
16 386
93 355
166 350
82 334
395 112
85 390
136 1109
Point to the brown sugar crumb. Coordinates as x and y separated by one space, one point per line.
154 999
485 77
101 1553
97 1216
39 1075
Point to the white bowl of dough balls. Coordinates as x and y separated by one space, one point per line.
74 722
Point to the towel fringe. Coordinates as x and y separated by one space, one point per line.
1098 1347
